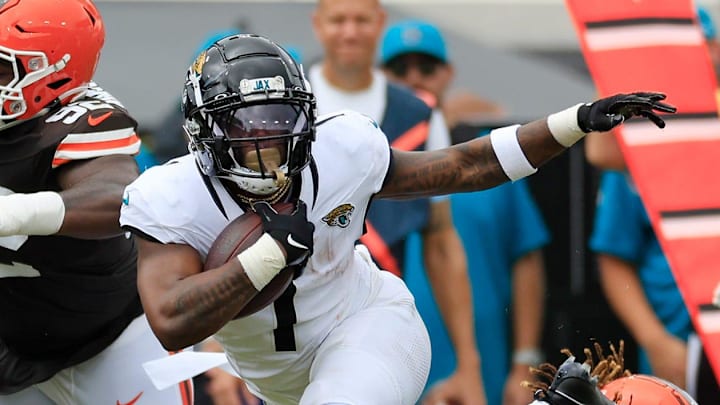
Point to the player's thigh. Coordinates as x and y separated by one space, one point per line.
116 375
28 396
380 355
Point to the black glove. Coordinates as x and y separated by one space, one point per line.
606 113
294 232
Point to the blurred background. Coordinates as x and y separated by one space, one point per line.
521 54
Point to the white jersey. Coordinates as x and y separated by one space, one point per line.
171 204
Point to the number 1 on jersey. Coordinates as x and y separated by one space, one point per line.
286 318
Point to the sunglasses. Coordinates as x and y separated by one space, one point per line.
425 64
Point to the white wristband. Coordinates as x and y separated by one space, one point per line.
39 213
530 357
564 126
509 153
262 261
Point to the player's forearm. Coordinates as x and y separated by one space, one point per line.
447 270
469 166
528 301
201 304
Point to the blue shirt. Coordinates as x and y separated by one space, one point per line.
497 227
623 230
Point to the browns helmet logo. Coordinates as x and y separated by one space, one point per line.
339 216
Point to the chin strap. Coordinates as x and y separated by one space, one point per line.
271 199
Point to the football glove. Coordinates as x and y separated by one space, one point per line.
606 113
293 232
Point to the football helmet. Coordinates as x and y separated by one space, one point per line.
572 385
646 390
49 50
249 115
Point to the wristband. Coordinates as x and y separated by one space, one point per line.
262 261
510 154
39 213
564 126
529 357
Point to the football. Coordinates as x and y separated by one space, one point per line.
237 236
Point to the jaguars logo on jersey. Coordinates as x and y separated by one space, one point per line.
339 216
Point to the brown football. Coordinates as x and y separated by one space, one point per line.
237 236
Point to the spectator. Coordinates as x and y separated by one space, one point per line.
502 231
349 31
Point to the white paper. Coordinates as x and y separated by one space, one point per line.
174 369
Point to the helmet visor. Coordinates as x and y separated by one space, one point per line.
261 137
265 120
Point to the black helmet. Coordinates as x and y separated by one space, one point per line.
572 385
249 114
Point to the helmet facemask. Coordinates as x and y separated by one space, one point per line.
12 98
256 145
259 146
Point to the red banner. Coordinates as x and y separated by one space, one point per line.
641 45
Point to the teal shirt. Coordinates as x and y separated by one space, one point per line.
497 227
623 229
145 159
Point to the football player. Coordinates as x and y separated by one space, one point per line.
72 329
605 383
343 332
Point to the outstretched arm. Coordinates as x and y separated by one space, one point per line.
513 152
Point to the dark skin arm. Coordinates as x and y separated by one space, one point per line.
184 304
468 166
92 192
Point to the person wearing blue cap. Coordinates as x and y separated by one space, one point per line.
349 31
503 232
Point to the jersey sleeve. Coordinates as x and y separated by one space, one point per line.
138 214
376 150
358 146
97 125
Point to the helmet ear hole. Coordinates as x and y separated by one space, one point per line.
57 84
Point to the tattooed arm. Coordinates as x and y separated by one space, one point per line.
467 166
184 305
514 153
